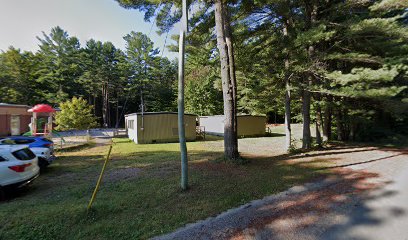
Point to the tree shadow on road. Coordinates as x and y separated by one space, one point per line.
329 208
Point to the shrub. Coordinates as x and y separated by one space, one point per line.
75 114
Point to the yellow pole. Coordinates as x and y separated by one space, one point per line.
99 179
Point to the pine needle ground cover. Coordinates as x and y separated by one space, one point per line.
140 195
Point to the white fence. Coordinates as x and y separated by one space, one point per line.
97 132
67 139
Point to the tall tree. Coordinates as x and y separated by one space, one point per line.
102 77
310 22
224 42
141 54
287 25
168 13
17 71
59 66
337 50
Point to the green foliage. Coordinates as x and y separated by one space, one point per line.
18 77
59 66
359 60
315 35
110 79
151 78
202 95
359 68
389 5
75 114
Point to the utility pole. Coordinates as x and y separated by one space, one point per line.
180 100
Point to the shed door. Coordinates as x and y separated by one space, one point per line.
15 125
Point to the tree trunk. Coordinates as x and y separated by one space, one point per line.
327 121
288 130
117 112
94 105
104 106
108 115
319 121
339 128
311 12
230 139
346 125
306 140
353 128
233 79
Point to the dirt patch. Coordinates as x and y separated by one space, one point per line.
122 174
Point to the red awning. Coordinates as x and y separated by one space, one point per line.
43 108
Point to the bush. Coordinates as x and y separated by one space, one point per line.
75 114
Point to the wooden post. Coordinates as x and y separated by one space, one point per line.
34 124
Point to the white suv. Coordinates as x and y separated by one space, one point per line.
18 166
41 147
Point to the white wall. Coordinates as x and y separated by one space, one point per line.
213 124
247 125
132 131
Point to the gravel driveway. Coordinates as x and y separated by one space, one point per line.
365 197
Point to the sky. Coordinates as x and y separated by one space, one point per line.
104 20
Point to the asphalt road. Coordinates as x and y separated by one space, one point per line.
366 197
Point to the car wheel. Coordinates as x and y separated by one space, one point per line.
42 163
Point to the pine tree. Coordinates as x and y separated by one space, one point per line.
59 65
167 14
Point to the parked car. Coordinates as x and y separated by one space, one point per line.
41 146
18 167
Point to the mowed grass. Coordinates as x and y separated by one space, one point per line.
148 202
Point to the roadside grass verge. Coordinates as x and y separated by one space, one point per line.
147 202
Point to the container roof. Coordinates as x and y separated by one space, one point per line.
241 115
157 113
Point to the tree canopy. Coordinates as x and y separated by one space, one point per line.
338 65
112 80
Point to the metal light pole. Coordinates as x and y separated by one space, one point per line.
181 130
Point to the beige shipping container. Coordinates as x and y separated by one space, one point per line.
251 125
247 125
156 127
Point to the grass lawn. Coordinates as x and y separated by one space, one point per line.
140 195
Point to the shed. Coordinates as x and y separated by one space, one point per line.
14 119
248 125
155 127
